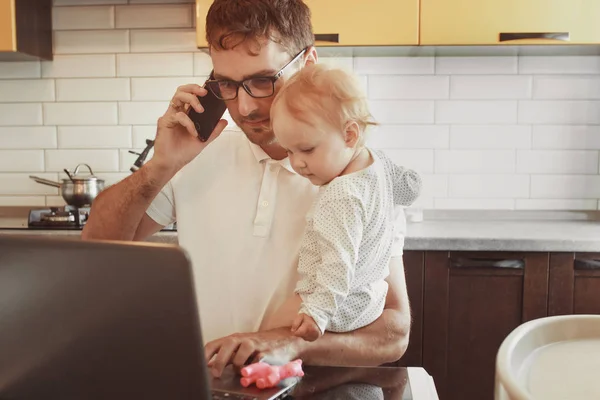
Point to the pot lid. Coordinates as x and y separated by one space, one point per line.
73 176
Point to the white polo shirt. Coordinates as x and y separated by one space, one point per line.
241 217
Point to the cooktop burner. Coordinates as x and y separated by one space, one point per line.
67 217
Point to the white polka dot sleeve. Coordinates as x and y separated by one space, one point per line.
336 236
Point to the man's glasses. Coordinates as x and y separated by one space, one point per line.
258 87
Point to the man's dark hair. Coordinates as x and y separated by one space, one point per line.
232 22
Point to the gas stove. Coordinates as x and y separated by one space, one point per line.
67 217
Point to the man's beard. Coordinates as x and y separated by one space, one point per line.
261 135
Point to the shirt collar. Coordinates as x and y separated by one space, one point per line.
261 156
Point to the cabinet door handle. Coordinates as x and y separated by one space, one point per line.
587 264
328 37
487 263
509 36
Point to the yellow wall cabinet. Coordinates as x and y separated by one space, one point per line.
509 22
25 30
350 22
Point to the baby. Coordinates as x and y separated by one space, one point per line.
320 117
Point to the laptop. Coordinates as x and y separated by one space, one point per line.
103 320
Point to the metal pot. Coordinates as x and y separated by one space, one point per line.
76 191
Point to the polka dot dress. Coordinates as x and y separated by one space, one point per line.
346 249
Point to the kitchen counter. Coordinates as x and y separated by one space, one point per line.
450 230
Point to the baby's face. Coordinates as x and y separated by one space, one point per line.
316 150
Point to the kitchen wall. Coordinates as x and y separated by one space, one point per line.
485 132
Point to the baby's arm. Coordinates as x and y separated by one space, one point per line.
407 185
338 227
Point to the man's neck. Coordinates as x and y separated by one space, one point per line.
274 151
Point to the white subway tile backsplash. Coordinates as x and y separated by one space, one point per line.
155 16
490 137
202 64
474 204
565 186
21 160
26 90
79 66
164 40
490 87
140 133
94 137
559 112
559 65
475 65
408 87
499 186
567 87
434 186
20 184
91 42
27 137
394 65
419 160
97 89
19 70
83 17
20 114
557 162
554 204
138 65
98 160
475 112
475 161
409 137
402 112
19 201
578 137
75 113
141 112
55 201
110 178
143 89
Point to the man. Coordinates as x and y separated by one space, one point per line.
239 206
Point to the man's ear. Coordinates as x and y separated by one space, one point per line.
351 134
311 57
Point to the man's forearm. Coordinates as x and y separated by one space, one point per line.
117 211
383 341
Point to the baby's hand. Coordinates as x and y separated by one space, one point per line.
305 327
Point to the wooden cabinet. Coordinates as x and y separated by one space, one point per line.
365 23
414 268
492 22
574 283
472 301
349 22
25 30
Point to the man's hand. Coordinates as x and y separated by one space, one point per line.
177 142
240 349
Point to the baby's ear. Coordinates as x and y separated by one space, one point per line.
352 134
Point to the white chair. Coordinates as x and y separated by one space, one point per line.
550 358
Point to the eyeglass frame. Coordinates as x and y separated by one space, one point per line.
272 78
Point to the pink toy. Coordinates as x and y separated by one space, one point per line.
266 375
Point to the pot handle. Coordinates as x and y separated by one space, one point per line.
45 181
77 169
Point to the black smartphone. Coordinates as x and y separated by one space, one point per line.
214 108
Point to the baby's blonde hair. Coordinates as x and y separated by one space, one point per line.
330 93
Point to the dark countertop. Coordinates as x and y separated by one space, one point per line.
343 383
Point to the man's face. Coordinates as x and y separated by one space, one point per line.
249 113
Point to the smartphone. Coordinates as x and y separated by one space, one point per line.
214 108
